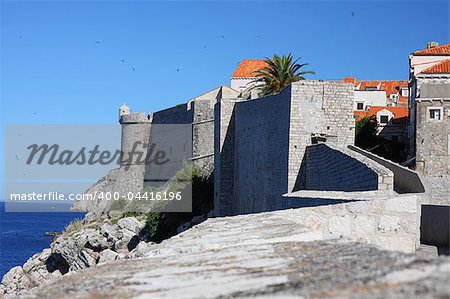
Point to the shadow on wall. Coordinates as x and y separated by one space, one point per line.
327 169
434 227
405 180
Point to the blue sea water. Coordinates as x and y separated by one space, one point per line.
22 234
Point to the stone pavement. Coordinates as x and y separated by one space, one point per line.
262 255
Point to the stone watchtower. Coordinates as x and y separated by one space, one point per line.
124 110
135 138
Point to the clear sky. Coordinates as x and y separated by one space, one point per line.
61 62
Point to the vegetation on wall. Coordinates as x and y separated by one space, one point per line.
366 138
279 73
366 132
161 225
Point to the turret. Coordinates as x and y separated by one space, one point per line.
124 110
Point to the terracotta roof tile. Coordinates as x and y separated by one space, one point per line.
439 50
399 112
390 87
248 67
442 67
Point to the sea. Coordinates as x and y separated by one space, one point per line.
22 234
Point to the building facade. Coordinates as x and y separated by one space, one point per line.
429 126
391 93
244 77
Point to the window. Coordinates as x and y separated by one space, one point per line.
435 113
404 92
384 119
359 106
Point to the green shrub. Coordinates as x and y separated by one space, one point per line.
74 226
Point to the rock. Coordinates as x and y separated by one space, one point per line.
121 245
38 260
111 232
87 258
183 227
80 249
69 247
131 224
97 241
141 249
107 256
15 281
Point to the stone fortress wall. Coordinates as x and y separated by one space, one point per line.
261 143
266 154
328 169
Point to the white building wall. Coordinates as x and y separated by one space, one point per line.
241 84
419 63
370 98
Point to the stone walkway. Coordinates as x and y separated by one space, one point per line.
260 255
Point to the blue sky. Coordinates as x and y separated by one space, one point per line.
54 71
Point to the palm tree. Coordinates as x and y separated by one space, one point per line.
279 73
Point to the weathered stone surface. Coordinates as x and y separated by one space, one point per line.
15 279
131 224
107 256
73 251
141 250
258 255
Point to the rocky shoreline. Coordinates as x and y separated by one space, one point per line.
82 245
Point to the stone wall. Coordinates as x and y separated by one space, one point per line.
325 168
224 203
433 138
135 133
203 135
390 222
433 87
261 144
180 114
318 107
437 189
405 179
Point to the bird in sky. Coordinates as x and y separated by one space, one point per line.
223 36
178 70
20 36
353 14
97 42
134 69
123 60
17 158
258 36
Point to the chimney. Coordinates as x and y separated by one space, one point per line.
432 45
349 80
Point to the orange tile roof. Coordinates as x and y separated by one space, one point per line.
442 67
248 67
399 112
349 80
390 87
439 50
